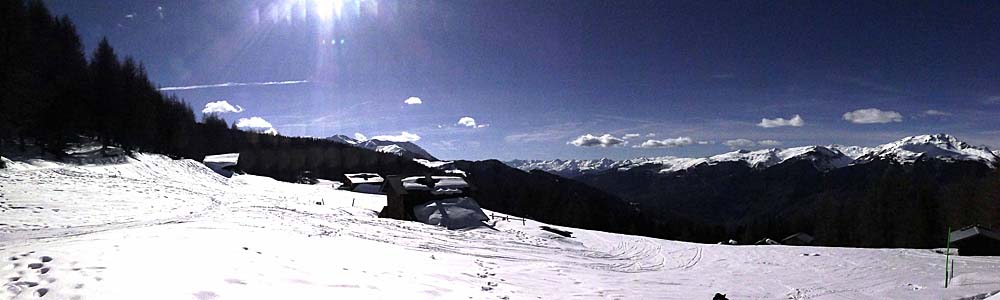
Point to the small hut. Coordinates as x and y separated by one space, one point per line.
798 239
439 200
976 240
363 182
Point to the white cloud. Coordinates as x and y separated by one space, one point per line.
992 100
650 135
589 140
631 135
402 137
666 143
769 143
221 106
740 143
254 123
934 112
229 84
257 124
413 101
360 137
872 116
795 121
470 122
705 142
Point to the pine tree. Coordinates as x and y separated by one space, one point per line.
103 102
15 74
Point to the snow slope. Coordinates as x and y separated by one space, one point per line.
156 228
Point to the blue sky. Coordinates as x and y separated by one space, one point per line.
574 79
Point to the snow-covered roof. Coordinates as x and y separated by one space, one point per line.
223 158
972 231
441 185
360 178
800 236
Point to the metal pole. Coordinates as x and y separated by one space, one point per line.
952 270
947 254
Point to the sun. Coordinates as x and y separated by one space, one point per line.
327 9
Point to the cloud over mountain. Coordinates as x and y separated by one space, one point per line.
589 140
872 116
401 137
666 143
795 121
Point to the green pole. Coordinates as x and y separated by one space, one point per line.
947 253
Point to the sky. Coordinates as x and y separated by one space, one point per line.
572 79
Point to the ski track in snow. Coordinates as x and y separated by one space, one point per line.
155 228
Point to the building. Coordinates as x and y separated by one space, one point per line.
369 183
976 241
437 200
798 239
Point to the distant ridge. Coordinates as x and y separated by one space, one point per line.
907 150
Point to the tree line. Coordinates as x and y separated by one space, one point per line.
51 94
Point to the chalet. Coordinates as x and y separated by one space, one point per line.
798 239
223 164
437 200
369 183
976 241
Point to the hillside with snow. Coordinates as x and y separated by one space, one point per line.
156 228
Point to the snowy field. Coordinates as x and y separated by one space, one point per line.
155 228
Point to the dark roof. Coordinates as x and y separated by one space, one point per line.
972 231
800 236
360 178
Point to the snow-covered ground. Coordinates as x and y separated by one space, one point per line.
155 228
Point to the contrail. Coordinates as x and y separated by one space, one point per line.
229 84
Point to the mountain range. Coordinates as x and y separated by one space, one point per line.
906 150
900 194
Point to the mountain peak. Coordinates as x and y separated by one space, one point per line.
399 148
937 146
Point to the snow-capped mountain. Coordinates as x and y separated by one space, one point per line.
343 139
407 149
851 151
937 146
906 150
568 168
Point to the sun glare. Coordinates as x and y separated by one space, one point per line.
327 9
